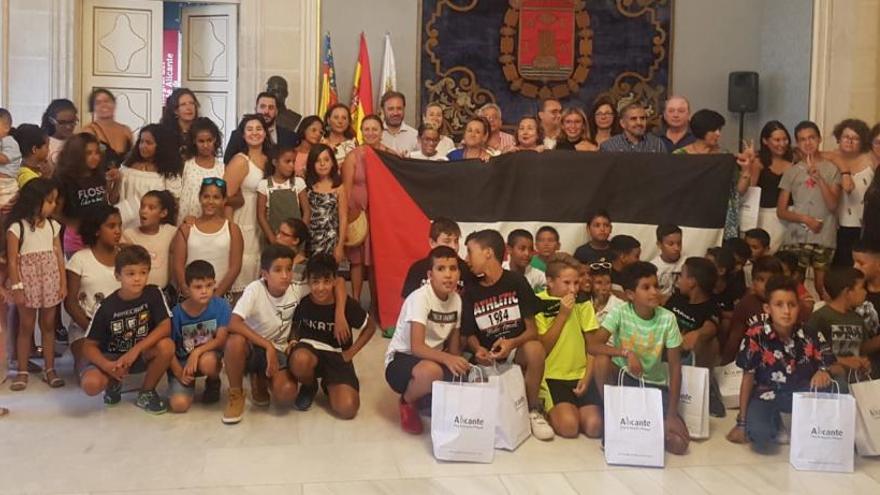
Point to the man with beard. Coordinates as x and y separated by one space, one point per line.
634 138
267 106
398 136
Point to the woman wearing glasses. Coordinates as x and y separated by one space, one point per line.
59 121
603 120
114 138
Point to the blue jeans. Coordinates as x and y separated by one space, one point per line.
763 420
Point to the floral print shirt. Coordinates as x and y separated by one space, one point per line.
782 367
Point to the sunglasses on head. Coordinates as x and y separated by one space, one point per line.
601 265
213 181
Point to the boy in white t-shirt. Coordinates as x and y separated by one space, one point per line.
669 261
259 331
520 249
426 344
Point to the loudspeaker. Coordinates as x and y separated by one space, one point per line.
742 92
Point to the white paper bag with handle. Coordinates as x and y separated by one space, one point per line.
463 418
729 380
823 431
867 396
513 426
634 429
750 206
693 404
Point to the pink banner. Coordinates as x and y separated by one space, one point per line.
170 61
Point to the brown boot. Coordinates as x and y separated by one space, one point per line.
234 407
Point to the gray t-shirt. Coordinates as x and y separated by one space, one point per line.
845 331
807 199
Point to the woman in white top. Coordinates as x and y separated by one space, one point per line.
243 176
853 158
429 139
205 145
339 134
153 164
90 273
212 238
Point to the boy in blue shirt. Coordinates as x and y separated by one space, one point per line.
198 328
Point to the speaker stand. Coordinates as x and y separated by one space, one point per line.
742 119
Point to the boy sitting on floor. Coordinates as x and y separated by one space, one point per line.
444 232
520 248
669 261
546 244
597 249
625 250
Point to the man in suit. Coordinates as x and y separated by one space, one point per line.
267 106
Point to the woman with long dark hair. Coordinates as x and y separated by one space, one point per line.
181 110
153 164
604 121
115 138
775 156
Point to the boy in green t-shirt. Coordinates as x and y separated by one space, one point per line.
641 332
571 399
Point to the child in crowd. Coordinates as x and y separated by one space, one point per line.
633 338
520 248
498 319
813 184
626 250
91 275
742 253
154 163
727 291
259 335
204 144
158 217
791 268
34 145
319 352
10 159
278 194
294 234
758 241
211 237
36 268
669 261
866 258
443 232
699 320
198 328
130 333
546 244
604 300
570 397
598 248
778 358
426 345
585 284
749 311
324 203
429 138
842 328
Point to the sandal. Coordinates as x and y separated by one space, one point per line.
51 378
20 382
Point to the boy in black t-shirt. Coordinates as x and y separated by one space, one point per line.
597 249
316 352
444 232
130 332
498 319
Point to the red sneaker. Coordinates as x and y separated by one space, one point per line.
409 419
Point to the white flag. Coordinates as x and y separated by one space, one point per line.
389 68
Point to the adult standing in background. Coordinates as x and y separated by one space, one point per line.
434 115
550 116
634 138
676 131
871 219
310 133
775 156
473 144
575 132
398 135
603 120
856 165
266 106
58 122
498 141
338 134
114 138
181 110
287 118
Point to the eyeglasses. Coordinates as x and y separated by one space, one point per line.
851 139
601 265
65 122
213 181
604 114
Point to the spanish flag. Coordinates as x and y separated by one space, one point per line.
329 95
362 92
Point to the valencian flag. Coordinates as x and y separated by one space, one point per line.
329 95
362 92
527 190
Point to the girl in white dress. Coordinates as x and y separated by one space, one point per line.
153 164
205 144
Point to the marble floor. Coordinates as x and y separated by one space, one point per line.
61 442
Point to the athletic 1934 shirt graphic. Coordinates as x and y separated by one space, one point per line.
498 311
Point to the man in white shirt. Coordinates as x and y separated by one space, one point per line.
397 135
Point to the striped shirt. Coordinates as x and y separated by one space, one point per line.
648 144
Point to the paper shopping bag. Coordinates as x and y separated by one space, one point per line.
729 380
463 419
634 430
867 396
693 404
822 432
513 426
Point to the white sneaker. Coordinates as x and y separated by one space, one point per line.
540 427
782 437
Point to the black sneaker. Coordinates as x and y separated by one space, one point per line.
305 397
150 401
61 336
113 393
716 407
212 391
